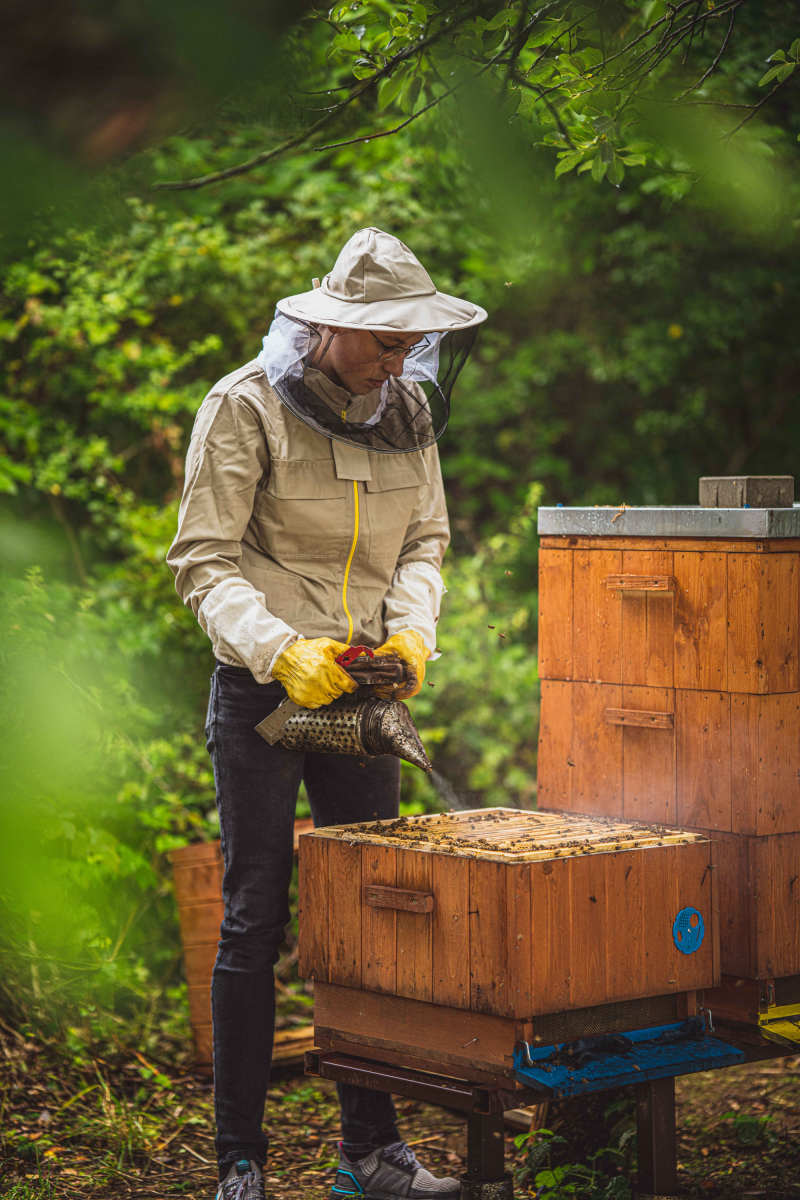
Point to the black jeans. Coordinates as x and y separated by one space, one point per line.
257 787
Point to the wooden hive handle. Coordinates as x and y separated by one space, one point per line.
639 718
399 898
640 583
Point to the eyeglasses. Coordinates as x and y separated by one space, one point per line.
389 352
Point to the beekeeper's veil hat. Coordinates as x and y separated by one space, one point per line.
377 284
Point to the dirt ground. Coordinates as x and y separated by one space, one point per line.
89 1126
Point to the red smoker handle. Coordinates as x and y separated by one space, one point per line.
349 656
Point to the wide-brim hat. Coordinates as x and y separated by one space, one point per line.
377 283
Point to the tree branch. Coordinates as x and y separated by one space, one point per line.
755 109
179 185
714 64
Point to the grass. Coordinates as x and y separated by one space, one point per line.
98 1120
102 1110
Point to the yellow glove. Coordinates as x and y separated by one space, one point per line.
309 673
410 647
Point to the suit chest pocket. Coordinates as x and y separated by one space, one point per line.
391 495
303 510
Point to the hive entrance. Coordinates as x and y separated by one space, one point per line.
508 835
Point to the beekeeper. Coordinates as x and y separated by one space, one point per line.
313 517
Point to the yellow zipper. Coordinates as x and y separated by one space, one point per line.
349 563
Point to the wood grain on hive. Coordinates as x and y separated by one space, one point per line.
724 617
671 693
502 912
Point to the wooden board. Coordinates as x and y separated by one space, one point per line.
647 623
597 617
648 760
344 913
551 915
744 765
775 869
778 780
200 922
596 774
450 931
363 1047
555 762
312 911
555 614
701 616
414 930
737 954
703 732
763 623
488 936
671 545
441 1035
629 886
589 951
379 925
519 940
765 738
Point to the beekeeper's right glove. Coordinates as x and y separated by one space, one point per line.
310 674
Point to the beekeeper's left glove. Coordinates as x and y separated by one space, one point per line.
409 646
310 674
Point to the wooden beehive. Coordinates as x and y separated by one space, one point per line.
671 693
490 919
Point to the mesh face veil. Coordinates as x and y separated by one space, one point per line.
409 412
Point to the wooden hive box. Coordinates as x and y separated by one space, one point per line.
670 668
431 935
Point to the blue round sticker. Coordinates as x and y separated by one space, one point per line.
688 930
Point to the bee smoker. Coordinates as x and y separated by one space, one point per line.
359 723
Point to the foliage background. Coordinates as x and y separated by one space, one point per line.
638 339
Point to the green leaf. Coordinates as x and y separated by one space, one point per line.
506 16
785 72
616 171
635 160
599 169
410 93
390 87
586 166
568 162
773 73
420 13
543 69
794 49
495 41
778 56
380 42
607 126
346 42
363 69
544 35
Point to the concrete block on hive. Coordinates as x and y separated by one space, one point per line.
747 491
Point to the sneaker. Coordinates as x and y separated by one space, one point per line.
388 1173
244 1181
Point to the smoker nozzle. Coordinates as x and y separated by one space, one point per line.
364 727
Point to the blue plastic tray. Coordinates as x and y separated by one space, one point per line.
630 1066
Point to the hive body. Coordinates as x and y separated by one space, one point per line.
681 704
491 921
